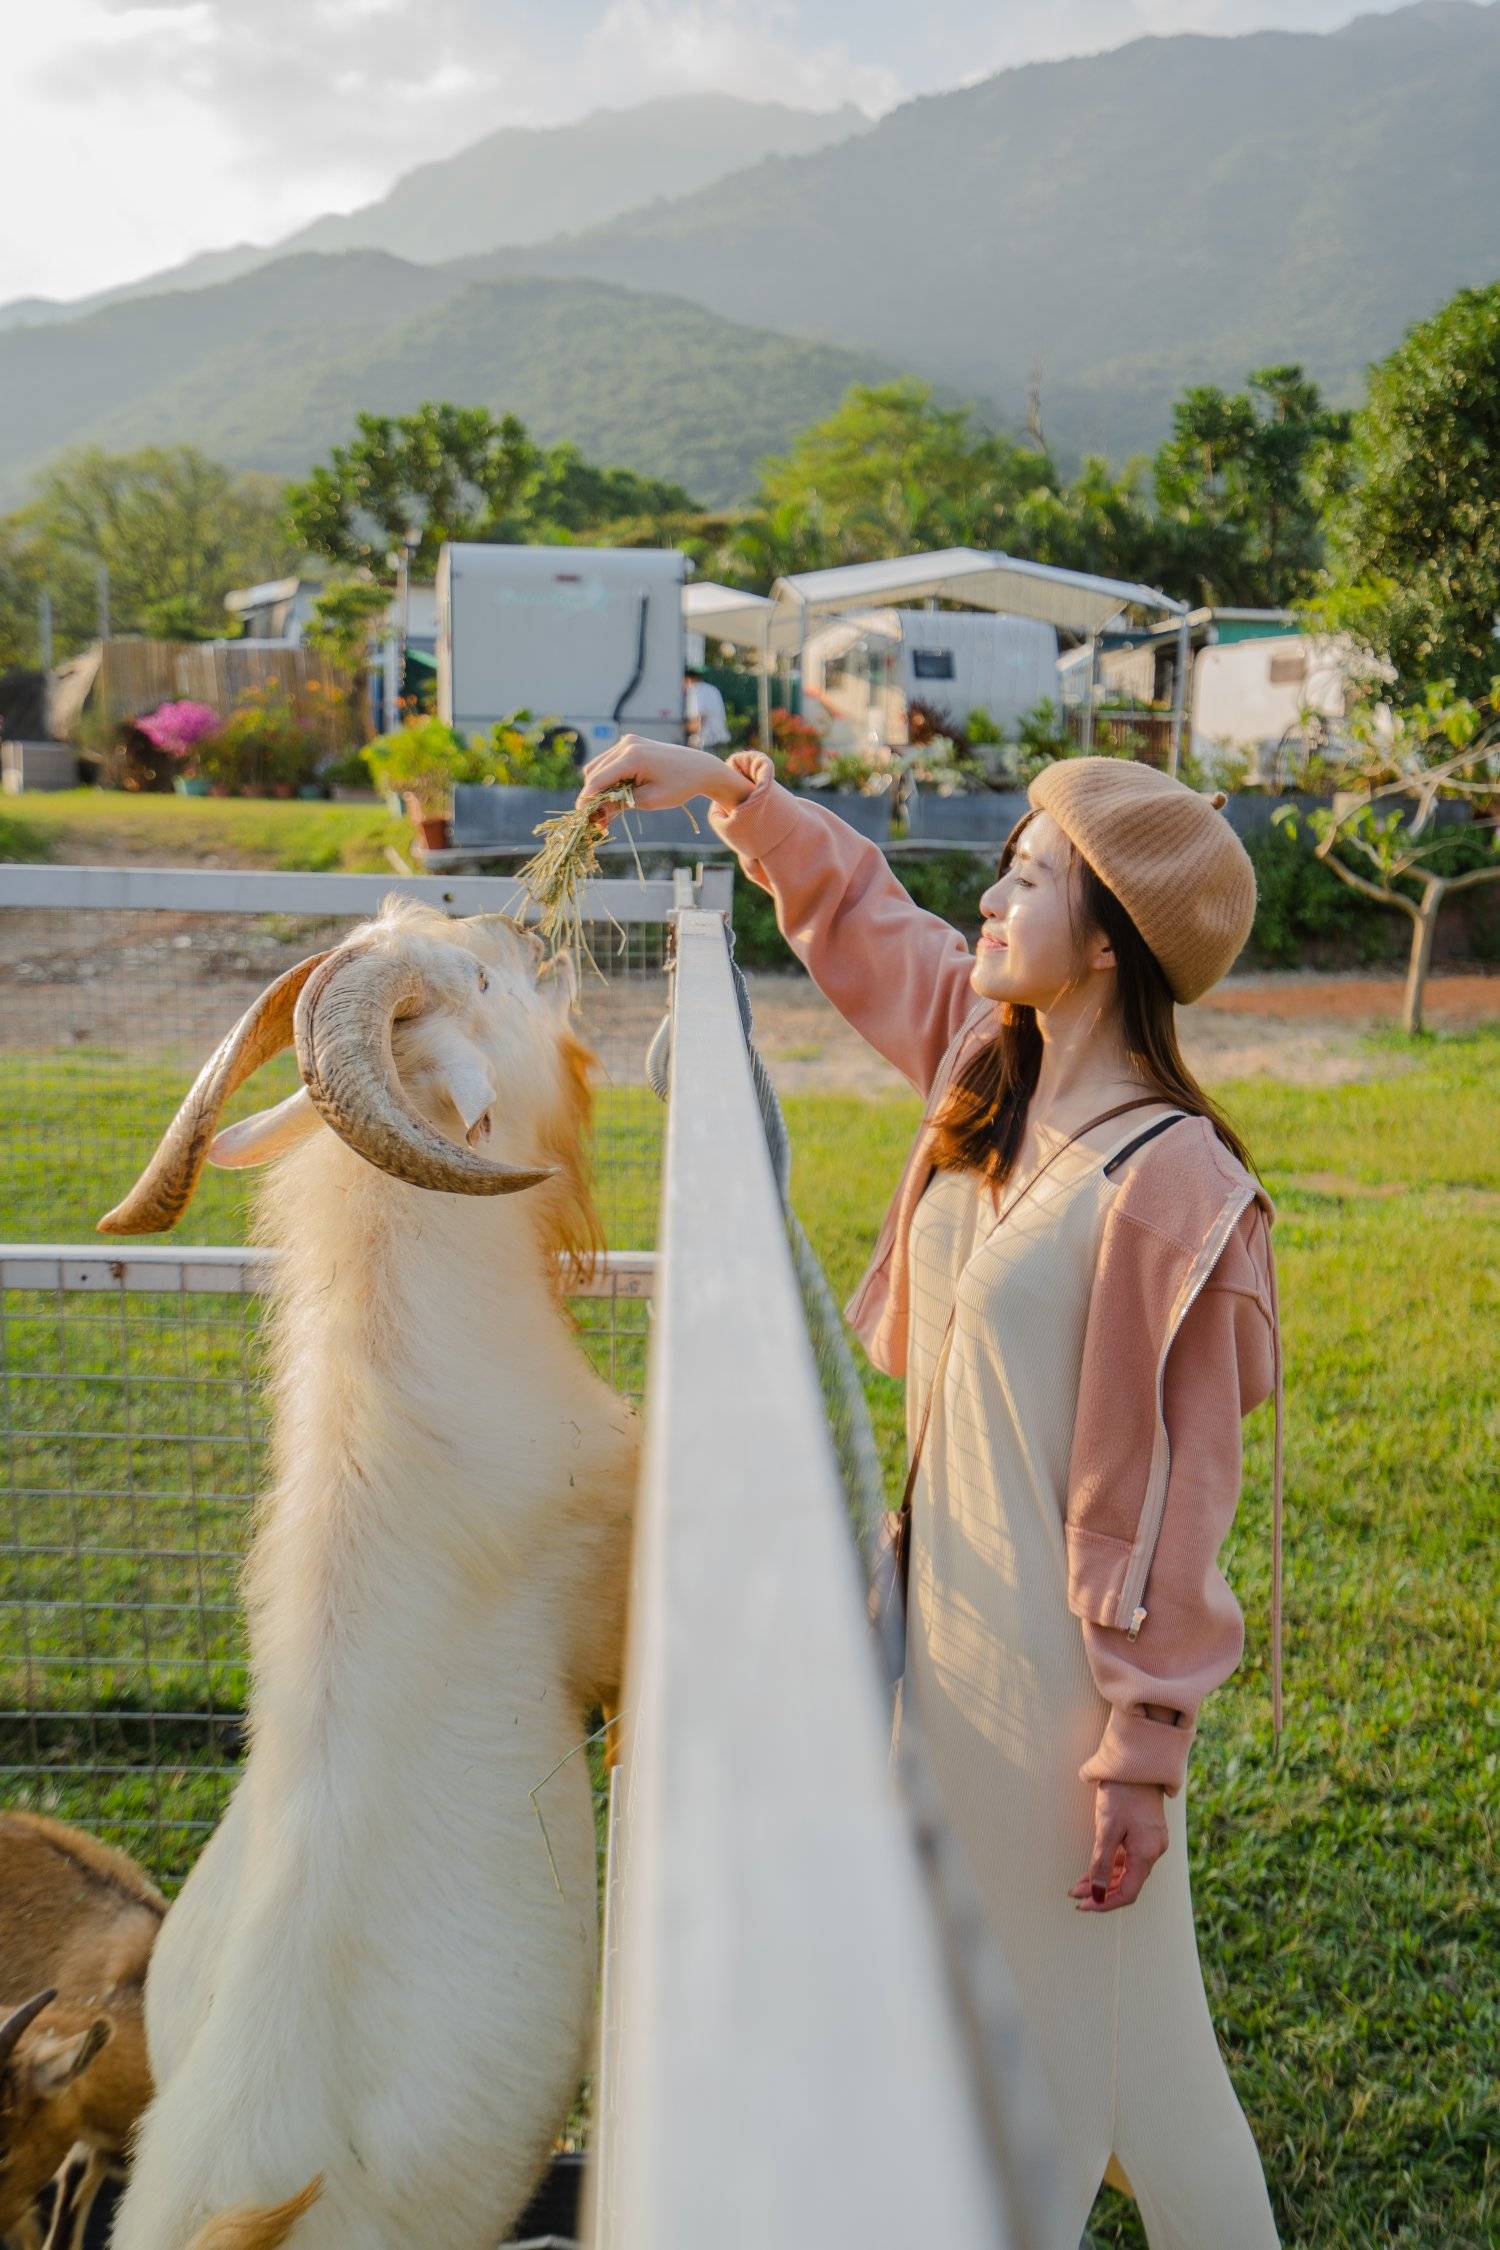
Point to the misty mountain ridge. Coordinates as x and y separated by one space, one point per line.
518 185
1177 210
269 371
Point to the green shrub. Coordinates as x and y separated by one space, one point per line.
524 753
261 748
1302 903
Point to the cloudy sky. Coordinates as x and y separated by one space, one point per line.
156 128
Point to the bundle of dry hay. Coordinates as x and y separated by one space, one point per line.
569 857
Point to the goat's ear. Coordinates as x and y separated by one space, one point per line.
53 2059
255 1140
557 980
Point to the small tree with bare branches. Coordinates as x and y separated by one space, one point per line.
1444 750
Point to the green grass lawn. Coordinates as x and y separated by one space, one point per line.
1347 1900
72 825
1347 1896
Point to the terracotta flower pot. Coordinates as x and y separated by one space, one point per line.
435 829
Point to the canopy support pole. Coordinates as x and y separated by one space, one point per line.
1093 695
763 694
1179 691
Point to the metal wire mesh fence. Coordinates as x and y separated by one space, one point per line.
132 1431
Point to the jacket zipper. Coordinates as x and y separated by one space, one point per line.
1132 1595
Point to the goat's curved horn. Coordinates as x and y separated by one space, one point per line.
343 1024
165 1189
17 2021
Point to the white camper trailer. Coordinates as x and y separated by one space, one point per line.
863 671
591 636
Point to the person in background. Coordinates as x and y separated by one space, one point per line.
707 720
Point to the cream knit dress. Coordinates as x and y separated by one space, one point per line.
1114 2003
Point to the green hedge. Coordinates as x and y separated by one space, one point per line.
1305 917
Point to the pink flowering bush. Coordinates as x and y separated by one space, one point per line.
178 728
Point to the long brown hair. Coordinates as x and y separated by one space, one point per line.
983 1114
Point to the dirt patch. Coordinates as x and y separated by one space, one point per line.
1307 1030
1362 998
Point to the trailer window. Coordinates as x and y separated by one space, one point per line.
932 664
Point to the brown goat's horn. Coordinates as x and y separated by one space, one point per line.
16 2022
165 1189
343 1023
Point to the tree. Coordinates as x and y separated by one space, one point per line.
1415 539
174 530
1100 522
1445 748
889 473
343 620
1232 510
455 472
1241 485
20 590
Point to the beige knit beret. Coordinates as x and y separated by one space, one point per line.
1167 853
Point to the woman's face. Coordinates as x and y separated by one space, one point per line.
1028 950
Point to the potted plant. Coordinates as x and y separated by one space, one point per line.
179 730
423 762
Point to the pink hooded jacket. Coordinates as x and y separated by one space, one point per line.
1183 1334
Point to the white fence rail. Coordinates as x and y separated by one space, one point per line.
783 2064
180 890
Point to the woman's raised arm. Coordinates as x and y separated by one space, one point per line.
899 975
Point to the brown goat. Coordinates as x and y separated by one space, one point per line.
77 1925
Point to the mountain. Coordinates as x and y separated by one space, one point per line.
521 187
269 371
517 185
1178 210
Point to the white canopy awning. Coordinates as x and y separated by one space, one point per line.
726 613
1074 600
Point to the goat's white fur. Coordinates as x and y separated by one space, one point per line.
372 1974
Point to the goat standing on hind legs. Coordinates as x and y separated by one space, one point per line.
368 2010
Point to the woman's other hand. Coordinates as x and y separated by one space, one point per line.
1130 1835
663 774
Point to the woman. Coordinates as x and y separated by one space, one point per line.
1075 1276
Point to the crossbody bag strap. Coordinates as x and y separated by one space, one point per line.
1145 1101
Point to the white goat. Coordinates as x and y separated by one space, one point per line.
369 2007
77 1925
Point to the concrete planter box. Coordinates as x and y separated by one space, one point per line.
344 796
502 819
983 816
1252 812
487 818
868 816
38 765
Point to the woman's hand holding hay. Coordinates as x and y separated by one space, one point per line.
662 775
